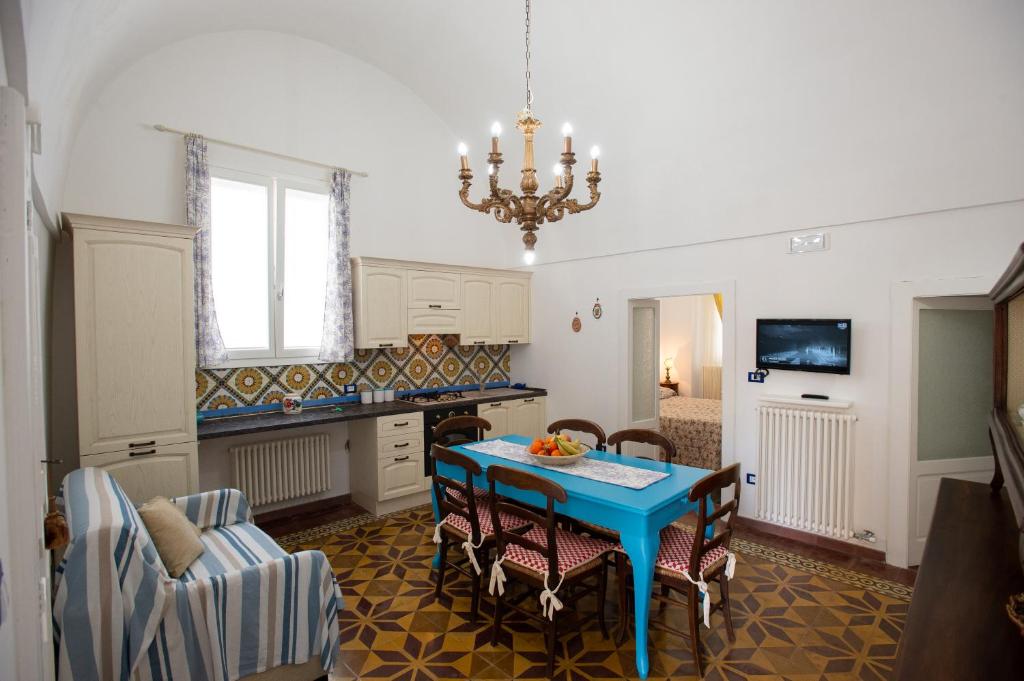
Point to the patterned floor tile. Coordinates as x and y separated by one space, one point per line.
814 621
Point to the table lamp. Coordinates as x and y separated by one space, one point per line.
669 363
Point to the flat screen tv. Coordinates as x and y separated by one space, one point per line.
821 345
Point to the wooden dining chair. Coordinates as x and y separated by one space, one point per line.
686 566
466 521
581 426
451 432
667 450
545 558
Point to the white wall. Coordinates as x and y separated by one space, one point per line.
292 96
852 279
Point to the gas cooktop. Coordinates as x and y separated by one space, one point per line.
436 397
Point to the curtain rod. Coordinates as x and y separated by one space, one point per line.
164 128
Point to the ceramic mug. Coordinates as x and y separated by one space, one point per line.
292 404
366 397
378 395
389 395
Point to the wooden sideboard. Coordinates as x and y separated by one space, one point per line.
957 627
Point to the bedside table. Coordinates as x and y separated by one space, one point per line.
674 385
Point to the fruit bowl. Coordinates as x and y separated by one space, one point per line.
563 460
556 450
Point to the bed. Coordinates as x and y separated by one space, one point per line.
694 426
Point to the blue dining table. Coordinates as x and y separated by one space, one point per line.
637 515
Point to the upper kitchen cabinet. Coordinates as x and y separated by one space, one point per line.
434 290
478 303
380 306
512 310
395 298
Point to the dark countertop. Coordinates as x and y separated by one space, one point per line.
227 426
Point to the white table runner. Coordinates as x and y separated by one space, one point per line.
592 469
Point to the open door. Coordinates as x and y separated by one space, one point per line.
25 561
642 399
952 401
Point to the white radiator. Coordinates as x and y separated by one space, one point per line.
805 470
711 382
283 469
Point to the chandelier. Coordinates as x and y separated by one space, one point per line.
529 210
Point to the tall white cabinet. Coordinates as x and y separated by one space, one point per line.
135 353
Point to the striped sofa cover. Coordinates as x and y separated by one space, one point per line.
243 607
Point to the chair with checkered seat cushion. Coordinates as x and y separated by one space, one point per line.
451 432
687 566
545 558
666 452
467 522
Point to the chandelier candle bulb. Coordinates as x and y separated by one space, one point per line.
464 155
495 134
594 153
567 134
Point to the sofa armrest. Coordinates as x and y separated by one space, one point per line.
215 509
299 590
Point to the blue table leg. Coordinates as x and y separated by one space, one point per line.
642 550
437 518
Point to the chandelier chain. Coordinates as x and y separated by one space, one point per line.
529 91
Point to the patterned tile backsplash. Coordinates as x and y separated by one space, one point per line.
428 362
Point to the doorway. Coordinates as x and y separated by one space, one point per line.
951 402
675 352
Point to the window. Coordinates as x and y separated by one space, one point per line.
269 241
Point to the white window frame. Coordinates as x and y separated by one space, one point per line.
276 354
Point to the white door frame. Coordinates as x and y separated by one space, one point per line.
26 570
727 288
902 396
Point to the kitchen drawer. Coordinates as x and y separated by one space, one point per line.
400 423
399 475
423 322
147 472
400 444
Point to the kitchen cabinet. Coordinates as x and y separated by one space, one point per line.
478 303
167 470
386 463
380 310
528 416
498 414
399 475
434 290
393 299
512 310
134 348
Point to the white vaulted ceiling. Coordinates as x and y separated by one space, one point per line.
716 119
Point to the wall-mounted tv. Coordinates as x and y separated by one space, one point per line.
821 345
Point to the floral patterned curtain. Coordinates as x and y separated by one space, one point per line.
337 340
210 349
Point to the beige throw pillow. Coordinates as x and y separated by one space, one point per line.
175 536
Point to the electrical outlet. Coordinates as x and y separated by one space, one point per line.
751 478
755 377
350 388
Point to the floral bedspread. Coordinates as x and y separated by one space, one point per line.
695 427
